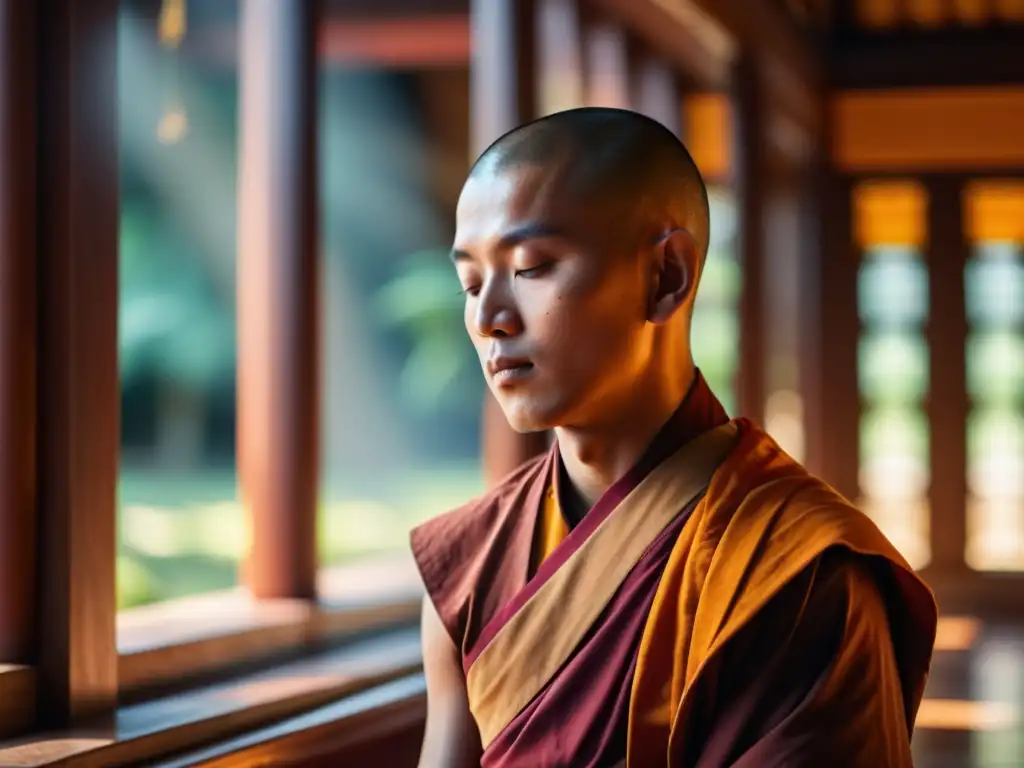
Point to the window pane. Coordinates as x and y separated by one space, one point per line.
180 525
994 284
893 368
893 288
715 331
402 385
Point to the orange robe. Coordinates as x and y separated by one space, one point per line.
783 628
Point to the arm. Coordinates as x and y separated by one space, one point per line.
812 681
451 739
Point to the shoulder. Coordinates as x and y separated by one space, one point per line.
466 556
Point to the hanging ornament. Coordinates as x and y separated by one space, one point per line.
171 28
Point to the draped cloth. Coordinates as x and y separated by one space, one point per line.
718 606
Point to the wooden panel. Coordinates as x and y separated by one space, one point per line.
278 260
929 130
890 213
710 135
78 371
941 58
17 330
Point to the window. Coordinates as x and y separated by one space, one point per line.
994 283
893 362
180 523
400 416
715 331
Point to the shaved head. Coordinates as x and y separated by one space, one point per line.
611 154
579 243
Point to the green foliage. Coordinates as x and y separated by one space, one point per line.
172 323
423 301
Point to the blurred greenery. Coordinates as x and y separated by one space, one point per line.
186 534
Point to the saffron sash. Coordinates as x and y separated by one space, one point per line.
533 645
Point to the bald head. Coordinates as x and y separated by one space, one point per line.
613 154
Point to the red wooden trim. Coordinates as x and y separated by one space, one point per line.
278 318
17 330
79 392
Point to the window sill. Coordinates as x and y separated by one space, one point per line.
167 646
243 712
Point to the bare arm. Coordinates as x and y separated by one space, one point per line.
451 739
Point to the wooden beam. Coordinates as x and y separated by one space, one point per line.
426 41
947 401
78 403
503 95
17 330
278 318
690 40
929 59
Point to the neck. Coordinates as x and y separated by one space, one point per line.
595 456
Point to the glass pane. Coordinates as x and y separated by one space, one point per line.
905 524
715 331
180 526
402 384
893 288
893 368
995 367
995 285
995 453
894 453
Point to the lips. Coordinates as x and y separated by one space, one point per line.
507 370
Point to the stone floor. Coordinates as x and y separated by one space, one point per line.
972 713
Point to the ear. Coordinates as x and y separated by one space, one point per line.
676 266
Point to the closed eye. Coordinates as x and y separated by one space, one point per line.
537 271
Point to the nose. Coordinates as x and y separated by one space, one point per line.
496 312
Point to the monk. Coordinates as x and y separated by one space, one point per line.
666 586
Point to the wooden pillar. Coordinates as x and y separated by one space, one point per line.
947 402
752 170
559 56
656 92
18 52
278 344
607 66
503 95
78 385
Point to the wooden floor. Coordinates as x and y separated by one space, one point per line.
972 713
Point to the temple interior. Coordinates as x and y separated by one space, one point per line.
234 372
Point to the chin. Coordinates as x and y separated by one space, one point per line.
525 416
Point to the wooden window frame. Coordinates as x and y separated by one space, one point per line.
71 666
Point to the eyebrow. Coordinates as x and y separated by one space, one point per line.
530 230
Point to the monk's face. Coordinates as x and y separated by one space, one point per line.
556 296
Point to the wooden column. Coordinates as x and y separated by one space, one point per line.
947 402
656 92
278 342
607 66
751 127
78 401
559 56
18 52
503 95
